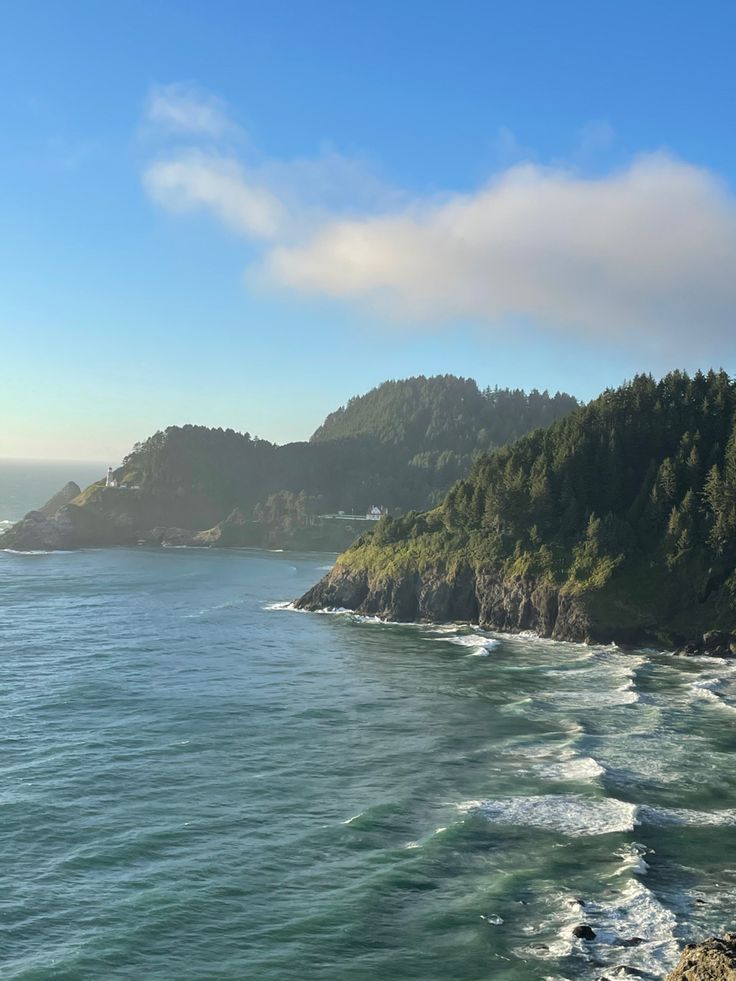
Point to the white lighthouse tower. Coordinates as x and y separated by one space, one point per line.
110 482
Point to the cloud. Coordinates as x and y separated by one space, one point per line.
652 248
194 180
647 253
186 109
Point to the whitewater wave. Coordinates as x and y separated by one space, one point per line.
554 761
711 690
685 817
480 646
633 931
632 859
573 814
634 914
568 814
32 551
570 767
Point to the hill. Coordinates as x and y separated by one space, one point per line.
444 413
187 480
615 523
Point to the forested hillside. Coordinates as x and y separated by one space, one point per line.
401 447
629 502
444 413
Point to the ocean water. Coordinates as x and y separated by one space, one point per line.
198 782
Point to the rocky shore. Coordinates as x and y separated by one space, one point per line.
509 605
712 960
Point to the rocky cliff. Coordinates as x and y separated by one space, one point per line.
486 598
495 602
616 524
712 960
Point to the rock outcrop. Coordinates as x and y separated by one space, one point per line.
235 531
711 960
714 643
35 532
65 496
509 604
485 598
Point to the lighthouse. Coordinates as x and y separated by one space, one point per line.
110 482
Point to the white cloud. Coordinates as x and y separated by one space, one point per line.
648 252
652 248
194 180
186 109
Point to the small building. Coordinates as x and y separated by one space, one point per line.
376 512
110 481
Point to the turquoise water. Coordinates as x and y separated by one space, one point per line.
199 783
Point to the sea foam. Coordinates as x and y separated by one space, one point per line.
567 814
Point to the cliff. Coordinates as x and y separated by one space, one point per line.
616 524
436 596
712 960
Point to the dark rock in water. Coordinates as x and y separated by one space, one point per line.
714 639
584 932
712 960
67 493
631 942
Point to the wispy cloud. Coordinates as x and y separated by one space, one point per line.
185 109
192 180
647 252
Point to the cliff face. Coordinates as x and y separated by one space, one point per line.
712 960
617 523
505 603
487 599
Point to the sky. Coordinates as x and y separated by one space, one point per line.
241 214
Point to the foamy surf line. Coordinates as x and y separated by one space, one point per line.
567 814
573 815
480 646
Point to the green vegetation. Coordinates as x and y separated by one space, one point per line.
402 446
440 424
629 502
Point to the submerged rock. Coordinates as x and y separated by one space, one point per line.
712 960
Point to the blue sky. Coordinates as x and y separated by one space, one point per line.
241 214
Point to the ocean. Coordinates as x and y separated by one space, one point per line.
198 782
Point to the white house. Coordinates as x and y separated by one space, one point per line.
376 512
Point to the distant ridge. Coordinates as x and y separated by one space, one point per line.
399 447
